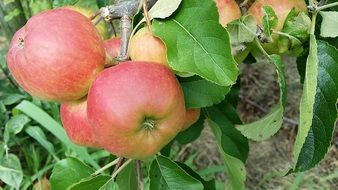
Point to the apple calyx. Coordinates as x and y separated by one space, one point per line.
149 124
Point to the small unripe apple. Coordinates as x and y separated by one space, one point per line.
228 11
101 26
281 8
56 55
136 108
75 122
191 116
144 46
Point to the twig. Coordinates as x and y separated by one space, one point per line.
97 13
120 168
98 21
118 164
113 28
139 174
106 167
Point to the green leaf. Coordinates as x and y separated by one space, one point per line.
166 174
110 185
197 43
91 183
232 142
199 93
234 166
55 128
270 20
67 172
10 171
15 125
269 125
37 134
242 30
192 133
297 24
329 24
12 99
127 178
318 107
61 3
208 185
163 8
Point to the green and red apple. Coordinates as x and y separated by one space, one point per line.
75 122
56 55
136 108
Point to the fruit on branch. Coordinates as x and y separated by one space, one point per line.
101 26
228 11
75 121
191 117
144 46
277 45
113 48
56 55
281 7
136 108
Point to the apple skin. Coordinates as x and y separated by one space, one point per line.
281 8
75 121
144 46
113 46
56 55
228 11
136 108
101 27
191 116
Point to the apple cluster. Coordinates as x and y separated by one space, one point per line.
132 109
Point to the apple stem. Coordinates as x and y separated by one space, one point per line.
146 15
106 167
115 173
139 174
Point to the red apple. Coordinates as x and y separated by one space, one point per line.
191 116
113 48
136 108
281 8
101 26
75 121
56 55
228 11
144 46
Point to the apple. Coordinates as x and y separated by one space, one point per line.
101 26
144 46
228 11
75 121
281 7
56 55
113 48
191 116
136 108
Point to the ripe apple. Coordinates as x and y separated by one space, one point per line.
191 116
113 48
228 11
56 55
144 46
75 121
101 26
281 8
136 108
